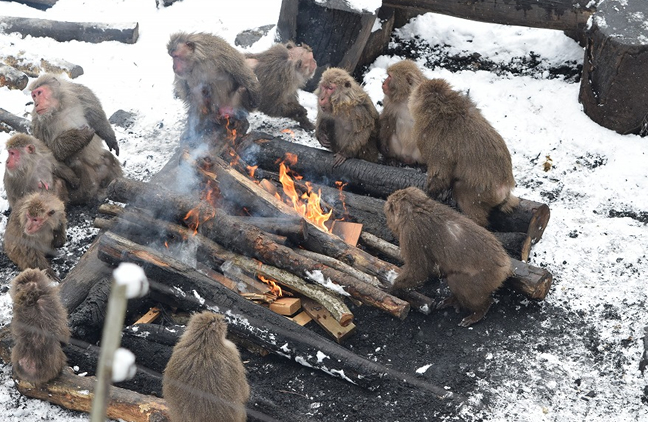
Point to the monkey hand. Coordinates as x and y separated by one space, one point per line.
306 124
339 159
324 140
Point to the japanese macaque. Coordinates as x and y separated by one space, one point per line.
396 138
282 70
205 380
462 151
213 80
347 120
435 238
39 326
59 107
31 166
36 227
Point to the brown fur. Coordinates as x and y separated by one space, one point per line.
36 227
462 151
396 138
64 117
431 234
31 167
204 380
282 70
213 80
38 327
347 120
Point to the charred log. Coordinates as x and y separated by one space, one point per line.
16 123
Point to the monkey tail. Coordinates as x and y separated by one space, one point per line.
509 204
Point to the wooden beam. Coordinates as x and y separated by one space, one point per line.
564 15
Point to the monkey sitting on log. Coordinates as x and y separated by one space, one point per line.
462 151
435 238
36 227
282 70
39 326
347 120
213 80
205 380
59 107
396 138
31 166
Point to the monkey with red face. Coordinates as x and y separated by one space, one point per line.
36 227
31 166
61 106
347 120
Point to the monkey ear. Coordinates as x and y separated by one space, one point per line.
56 82
191 45
30 148
347 84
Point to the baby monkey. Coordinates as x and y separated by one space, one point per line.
433 237
39 326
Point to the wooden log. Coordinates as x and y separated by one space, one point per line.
193 291
17 123
382 246
532 281
615 69
335 30
250 241
85 274
38 4
551 14
323 318
373 179
34 68
92 32
379 38
341 266
210 251
295 228
517 245
75 393
12 78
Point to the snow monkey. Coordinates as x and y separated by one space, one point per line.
347 120
31 166
39 326
282 70
396 138
36 227
213 80
433 237
204 381
59 106
462 151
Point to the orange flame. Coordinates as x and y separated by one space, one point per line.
289 132
251 170
340 185
308 205
275 288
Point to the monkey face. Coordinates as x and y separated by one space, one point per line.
181 59
44 100
324 99
385 85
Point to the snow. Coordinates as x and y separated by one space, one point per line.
123 367
132 276
599 262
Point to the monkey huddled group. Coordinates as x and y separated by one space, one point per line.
63 162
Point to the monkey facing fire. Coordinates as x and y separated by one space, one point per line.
31 166
347 120
462 151
36 227
205 378
282 70
435 238
60 106
213 80
39 326
396 138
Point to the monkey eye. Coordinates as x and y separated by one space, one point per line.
51 212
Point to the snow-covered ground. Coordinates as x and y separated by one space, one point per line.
598 259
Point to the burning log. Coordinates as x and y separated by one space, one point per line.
294 228
210 251
92 32
191 290
249 240
375 179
